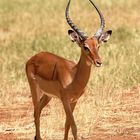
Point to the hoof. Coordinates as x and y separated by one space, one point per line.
37 139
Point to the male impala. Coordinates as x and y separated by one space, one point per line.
58 77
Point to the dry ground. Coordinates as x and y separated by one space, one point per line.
113 121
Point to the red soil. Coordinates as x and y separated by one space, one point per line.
130 103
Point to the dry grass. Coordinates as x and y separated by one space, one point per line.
111 104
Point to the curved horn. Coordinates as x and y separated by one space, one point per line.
72 25
102 25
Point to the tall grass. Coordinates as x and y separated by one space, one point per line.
28 27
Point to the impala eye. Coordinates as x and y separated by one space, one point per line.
86 49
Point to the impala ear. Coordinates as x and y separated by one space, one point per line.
105 36
73 36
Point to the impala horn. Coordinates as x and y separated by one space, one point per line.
102 25
72 25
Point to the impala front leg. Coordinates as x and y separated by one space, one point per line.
69 119
67 123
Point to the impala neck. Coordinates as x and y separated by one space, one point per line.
82 73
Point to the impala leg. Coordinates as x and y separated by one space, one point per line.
36 102
67 123
43 102
39 104
35 91
70 118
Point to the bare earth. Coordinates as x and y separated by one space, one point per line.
16 122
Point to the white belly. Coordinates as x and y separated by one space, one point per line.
50 95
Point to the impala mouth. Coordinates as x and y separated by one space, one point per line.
98 64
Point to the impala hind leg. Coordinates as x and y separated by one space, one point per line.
67 123
39 104
36 92
44 101
36 102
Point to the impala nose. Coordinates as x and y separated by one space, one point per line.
98 63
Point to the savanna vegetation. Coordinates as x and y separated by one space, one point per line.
110 106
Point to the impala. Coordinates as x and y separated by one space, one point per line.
55 76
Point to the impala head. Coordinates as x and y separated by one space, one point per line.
89 45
